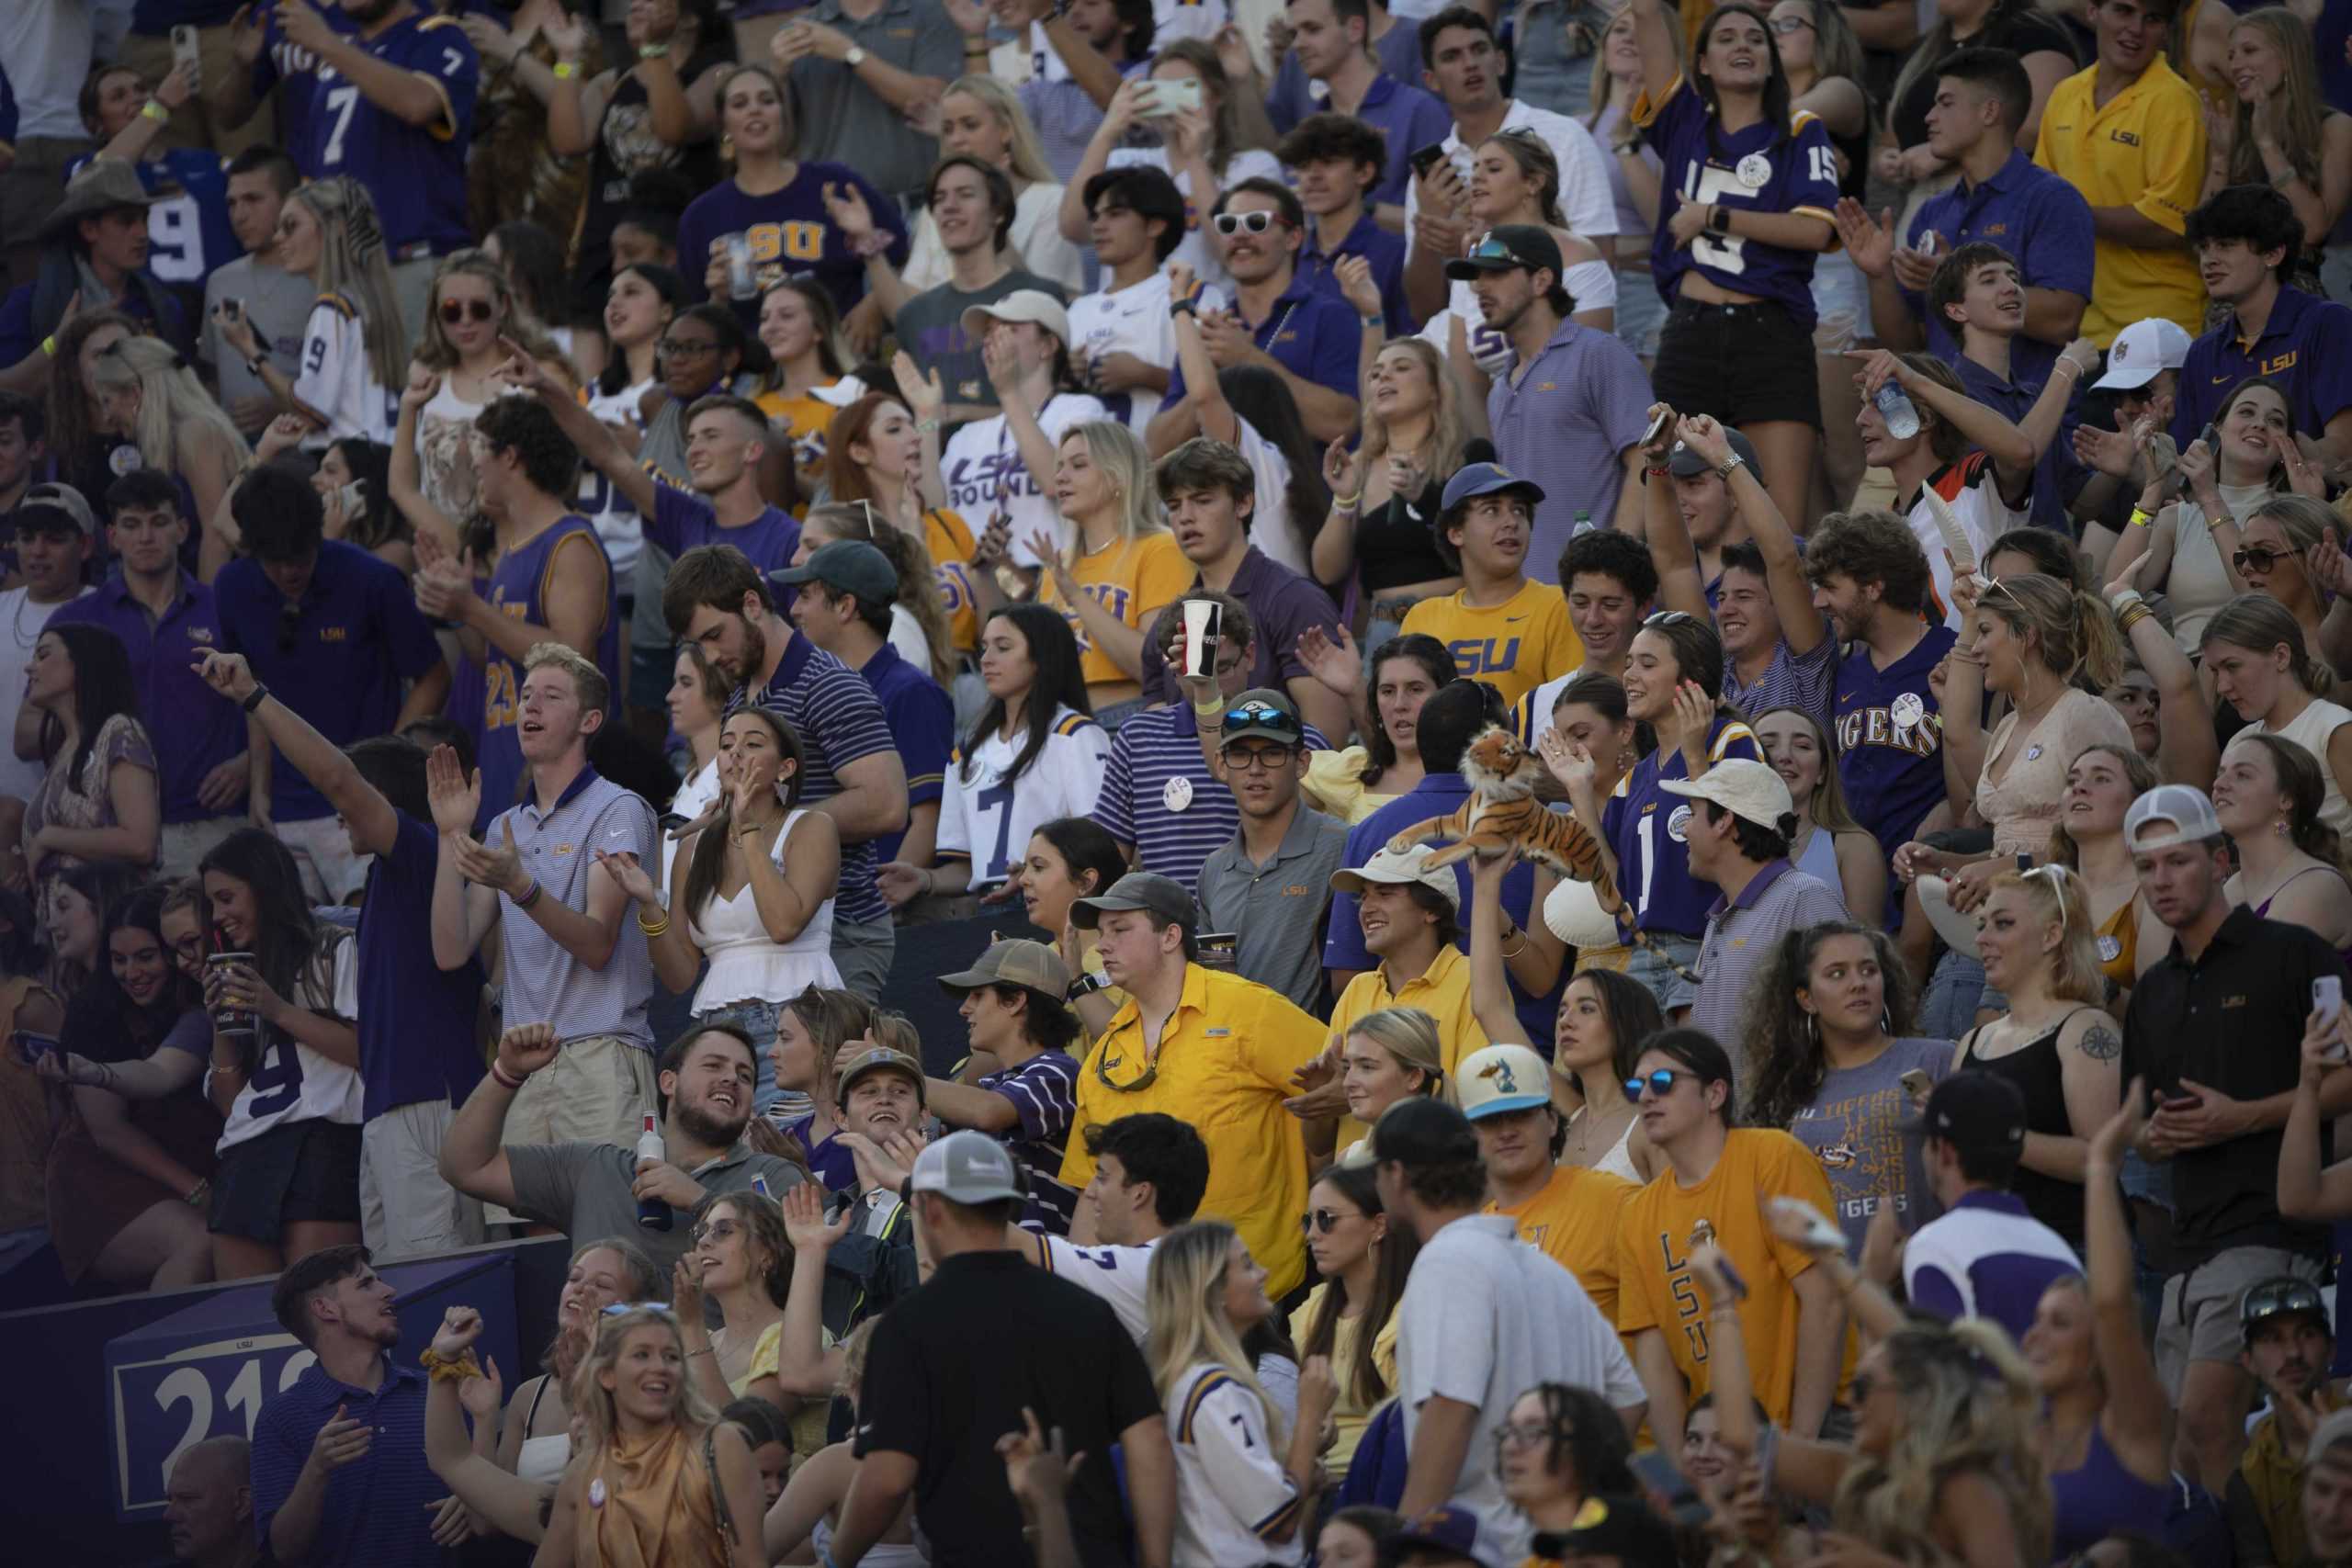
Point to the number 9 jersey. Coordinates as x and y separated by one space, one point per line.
1759 169
416 172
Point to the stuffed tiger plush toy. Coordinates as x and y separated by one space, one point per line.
1502 814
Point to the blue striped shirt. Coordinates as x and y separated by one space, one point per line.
840 721
1148 753
1043 1091
374 1512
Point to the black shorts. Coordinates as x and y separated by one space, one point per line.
1742 363
303 1170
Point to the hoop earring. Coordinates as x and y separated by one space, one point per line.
1813 1027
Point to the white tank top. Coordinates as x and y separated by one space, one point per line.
2309 730
746 963
542 1459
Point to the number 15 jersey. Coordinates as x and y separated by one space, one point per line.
989 821
1759 169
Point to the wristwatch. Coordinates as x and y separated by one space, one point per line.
1718 220
855 57
1723 468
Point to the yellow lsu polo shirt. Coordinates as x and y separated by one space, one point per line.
1224 1066
2144 149
1514 647
1442 992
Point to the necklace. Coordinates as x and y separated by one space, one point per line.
22 605
1590 1129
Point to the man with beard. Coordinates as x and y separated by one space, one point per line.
591 1188
2288 1350
1870 577
1569 409
382 90
209 1504
572 957
2214 1031
850 767
339 1474
1722 550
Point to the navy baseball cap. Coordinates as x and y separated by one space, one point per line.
1486 478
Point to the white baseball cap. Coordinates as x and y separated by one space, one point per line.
2180 814
2143 349
1399 868
1752 791
1497 1080
1020 304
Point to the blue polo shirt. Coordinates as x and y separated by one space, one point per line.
923 721
194 727
1438 794
2306 346
376 1514
2057 477
341 660
416 1019
1385 251
1309 334
1407 118
2039 219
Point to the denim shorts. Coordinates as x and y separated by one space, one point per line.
1641 310
1649 967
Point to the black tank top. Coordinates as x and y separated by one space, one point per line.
2033 1069
625 147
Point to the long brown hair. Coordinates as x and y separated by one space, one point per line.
710 845
1361 1377
2302 108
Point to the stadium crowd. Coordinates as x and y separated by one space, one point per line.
1625 715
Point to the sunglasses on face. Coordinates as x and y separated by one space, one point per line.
718 1230
1238 223
456 311
1324 1220
2256 557
1659 1083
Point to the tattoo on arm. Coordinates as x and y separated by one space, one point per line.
2100 1042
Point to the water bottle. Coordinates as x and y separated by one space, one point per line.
1584 523
742 282
1894 406
652 1214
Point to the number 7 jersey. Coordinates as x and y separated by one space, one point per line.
416 173
989 820
1757 169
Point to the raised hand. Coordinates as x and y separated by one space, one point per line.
685 1287
567 35
484 1396
423 385
177 85
497 866
227 674
1699 433
461 1326
804 1226
923 392
1570 763
524 1048
1340 467
1869 243
1338 665
455 798
624 869
525 373
1037 1467
845 205
1357 285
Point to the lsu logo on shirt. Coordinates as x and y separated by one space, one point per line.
954 581
973 484
1111 596
1679 1284
1478 655
786 242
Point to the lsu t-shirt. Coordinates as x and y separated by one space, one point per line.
1657 1290
1514 647
984 472
1132 580
1574 1221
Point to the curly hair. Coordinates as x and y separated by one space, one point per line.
1970 1405
1586 1441
1785 1061
765 1245
1870 546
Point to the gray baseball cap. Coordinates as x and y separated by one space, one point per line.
846 565
968 1167
1163 896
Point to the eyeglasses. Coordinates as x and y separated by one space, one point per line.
456 311
1324 1220
1236 222
1258 759
1659 1083
718 1230
2256 557
1787 24
686 348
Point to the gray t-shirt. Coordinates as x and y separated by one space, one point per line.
930 327
584 1190
1854 1126
279 306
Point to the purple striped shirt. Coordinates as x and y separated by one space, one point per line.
1043 1091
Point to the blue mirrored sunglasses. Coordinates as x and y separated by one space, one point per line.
1660 1083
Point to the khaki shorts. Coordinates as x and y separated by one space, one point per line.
2198 1319
405 1209
599 1089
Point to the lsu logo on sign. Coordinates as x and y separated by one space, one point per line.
1473 656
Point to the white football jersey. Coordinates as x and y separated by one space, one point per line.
1135 321
1118 1274
291 1082
336 380
989 821
1232 1493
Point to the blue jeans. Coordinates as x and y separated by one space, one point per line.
758 1021
1647 966
1948 1011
